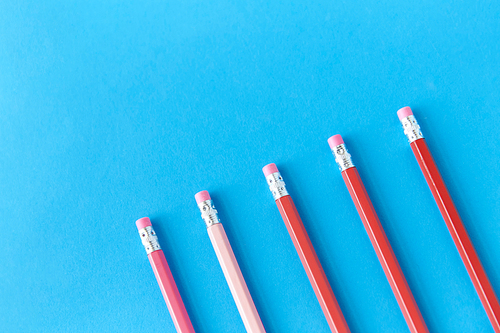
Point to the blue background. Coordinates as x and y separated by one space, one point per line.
114 111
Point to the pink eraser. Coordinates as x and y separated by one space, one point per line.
143 223
404 112
202 196
269 169
335 140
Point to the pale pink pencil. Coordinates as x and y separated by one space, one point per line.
229 265
164 277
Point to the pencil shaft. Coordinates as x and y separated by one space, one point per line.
170 292
235 280
458 232
384 251
312 266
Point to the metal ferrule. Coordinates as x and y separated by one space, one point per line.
342 157
208 213
412 129
276 185
149 239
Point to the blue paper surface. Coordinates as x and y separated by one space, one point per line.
111 111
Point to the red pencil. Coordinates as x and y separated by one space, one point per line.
305 250
451 217
377 236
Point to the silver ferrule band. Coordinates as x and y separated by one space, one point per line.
208 213
342 157
411 128
149 239
276 185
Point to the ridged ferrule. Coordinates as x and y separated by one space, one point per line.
411 128
208 213
277 185
149 239
342 157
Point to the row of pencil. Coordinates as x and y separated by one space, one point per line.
307 254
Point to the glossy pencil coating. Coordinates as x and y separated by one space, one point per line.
451 217
164 277
378 238
384 251
170 292
306 252
234 278
229 265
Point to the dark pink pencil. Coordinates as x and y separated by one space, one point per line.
164 277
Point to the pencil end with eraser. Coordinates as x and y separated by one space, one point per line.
410 124
148 235
339 151
275 181
207 209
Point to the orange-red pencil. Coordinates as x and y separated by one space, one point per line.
305 250
377 236
451 217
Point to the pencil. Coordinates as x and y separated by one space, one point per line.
377 237
164 277
305 250
229 265
451 217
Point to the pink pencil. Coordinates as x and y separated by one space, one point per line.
229 265
164 277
